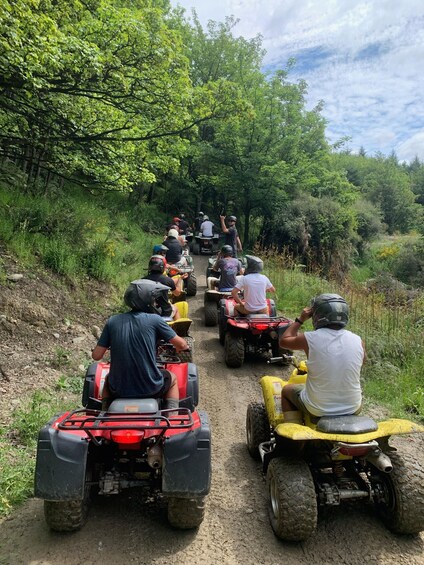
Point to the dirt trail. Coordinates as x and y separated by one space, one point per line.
236 528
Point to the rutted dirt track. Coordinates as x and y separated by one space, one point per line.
236 528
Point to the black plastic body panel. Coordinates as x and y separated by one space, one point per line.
187 462
61 465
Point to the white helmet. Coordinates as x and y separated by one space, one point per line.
206 217
172 233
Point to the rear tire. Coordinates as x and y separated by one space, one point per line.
66 515
186 513
222 323
196 249
257 428
402 509
292 501
234 350
191 287
211 313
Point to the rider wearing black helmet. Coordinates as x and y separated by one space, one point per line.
229 267
132 339
230 233
156 273
335 357
254 285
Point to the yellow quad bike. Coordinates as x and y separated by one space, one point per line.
332 459
181 327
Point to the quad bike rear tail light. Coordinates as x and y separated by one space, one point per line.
127 436
355 449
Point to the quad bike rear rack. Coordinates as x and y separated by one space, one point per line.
89 421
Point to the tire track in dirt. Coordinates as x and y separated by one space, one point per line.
236 529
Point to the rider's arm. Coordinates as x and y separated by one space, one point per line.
291 339
240 248
235 295
223 226
98 352
179 343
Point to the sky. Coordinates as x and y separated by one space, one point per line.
363 59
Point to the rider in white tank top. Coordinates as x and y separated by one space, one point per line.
333 385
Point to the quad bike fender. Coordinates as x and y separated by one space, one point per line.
187 462
182 308
271 390
181 326
61 465
387 428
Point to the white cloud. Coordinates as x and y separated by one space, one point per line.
362 57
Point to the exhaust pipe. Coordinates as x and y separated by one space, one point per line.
380 460
154 456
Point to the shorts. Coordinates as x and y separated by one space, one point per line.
293 395
108 391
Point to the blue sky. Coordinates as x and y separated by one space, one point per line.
364 59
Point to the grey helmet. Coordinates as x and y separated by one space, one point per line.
227 251
142 295
254 265
329 310
232 219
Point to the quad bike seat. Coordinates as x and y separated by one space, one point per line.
346 424
134 405
255 316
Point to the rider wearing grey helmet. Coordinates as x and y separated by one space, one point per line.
335 357
229 267
254 285
132 339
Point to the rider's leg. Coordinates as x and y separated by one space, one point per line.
175 313
212 283
291 403
172 395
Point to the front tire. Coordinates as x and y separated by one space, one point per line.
257 428
187 356
186 513
211 313
233 350
402 505
191 287
292 502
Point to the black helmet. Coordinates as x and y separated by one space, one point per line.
254 265
232 219
329 310
156 264
226 250
142 295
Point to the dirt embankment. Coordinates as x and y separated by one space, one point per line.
236 529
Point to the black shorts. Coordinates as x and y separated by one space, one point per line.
167 382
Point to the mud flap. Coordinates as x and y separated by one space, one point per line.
61 465
187 462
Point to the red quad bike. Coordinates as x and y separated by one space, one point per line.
254 333
135 443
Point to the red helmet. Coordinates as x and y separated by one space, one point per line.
176 220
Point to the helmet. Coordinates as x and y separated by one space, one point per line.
205 217
201 214
142 295
254 265
182 215
156 264
172 233
227 250
175 220
232 219
329 310
160 249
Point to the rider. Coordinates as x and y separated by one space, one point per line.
183 224
198 222
132 338
335 357
207 227
156 273
231 234
254 286
229 268
175 250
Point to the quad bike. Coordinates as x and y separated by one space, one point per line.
204 245
165 454
329 460
254 333
182 327
185 269
211 301
210 271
